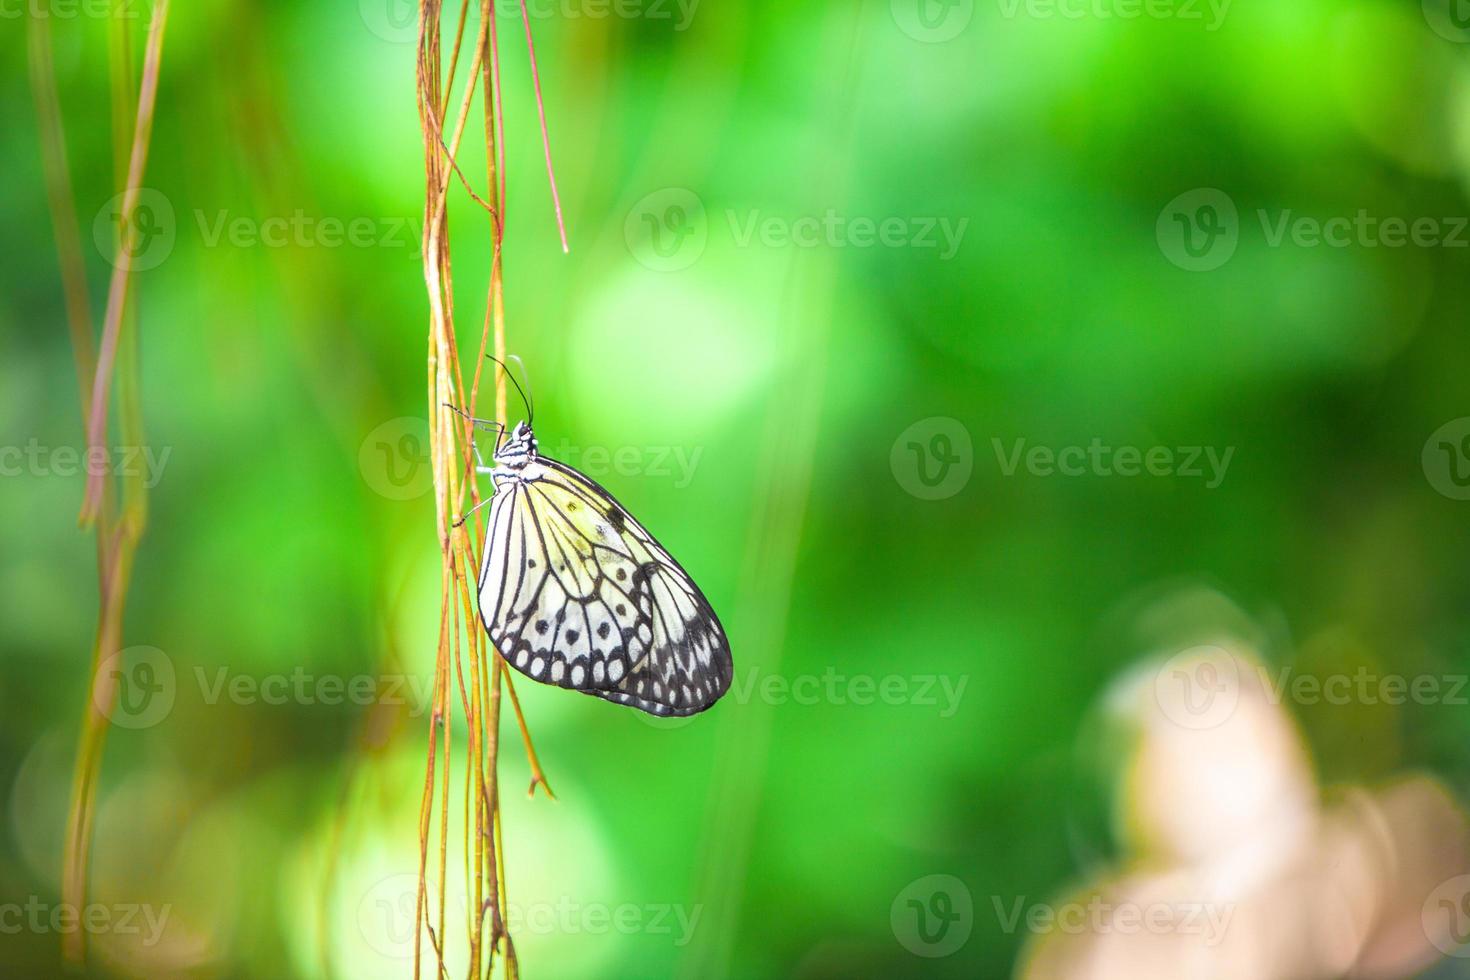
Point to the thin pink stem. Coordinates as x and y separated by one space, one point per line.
117 290
545 137
499 119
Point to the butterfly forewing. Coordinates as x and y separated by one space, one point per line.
575 592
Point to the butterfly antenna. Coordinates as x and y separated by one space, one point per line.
531 403
530 406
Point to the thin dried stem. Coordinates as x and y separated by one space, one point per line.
537 776
545 136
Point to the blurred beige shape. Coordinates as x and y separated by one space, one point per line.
169 868
1235 868
1195 793
1425 845
155 887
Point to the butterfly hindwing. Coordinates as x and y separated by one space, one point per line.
575 592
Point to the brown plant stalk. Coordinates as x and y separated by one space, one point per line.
461 641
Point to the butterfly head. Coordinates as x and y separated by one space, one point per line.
519 449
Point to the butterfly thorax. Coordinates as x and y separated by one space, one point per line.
519 450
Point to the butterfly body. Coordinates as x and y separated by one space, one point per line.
575 592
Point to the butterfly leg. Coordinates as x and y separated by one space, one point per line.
489 425
480 466
494 427
482 469
471 513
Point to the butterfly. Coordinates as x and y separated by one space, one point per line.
575 592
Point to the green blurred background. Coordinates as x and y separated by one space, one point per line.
829 263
